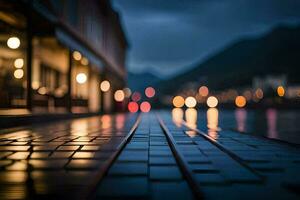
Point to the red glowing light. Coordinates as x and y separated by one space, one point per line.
136 96
150 92
133 107
145 106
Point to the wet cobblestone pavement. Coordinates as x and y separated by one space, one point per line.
143 157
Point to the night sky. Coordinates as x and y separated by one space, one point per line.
167 36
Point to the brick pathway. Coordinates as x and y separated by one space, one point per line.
63 160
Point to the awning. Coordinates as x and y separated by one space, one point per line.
74 45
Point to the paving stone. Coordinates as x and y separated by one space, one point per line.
129 169
165 173
210 179
163 160
123 187
134 156
171 190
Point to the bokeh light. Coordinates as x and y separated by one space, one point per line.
212 102
105 86
127 92
133 107
19 63
280 91
119 95
190 102
13 42
203 91
240 101
145 106
81 78
149 92
136 96
84 61
178 101
19 73
77 55
259 93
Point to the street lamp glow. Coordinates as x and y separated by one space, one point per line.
203 91
77 55
19 63
190 102
119 95
212 102
105 86
240 101
19 73
81 78
280 91
13 42
178 101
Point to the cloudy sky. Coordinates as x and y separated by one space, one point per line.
168 36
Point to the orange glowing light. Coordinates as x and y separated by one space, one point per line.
149 92
212 102
119 95
77 55
133 107
136 96
203 91
190 102
18 73
145 106
105 86
280 91
178 101
240 101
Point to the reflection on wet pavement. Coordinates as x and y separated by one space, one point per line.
58 159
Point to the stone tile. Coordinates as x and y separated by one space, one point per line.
129 169
162 160
171 190
123 187
162 173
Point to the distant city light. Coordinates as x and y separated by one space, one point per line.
212 102
35 85
127 92
259 93
19 63
178 101
145 106
190 102
13 42
240 101
203 91
119 95
81 78
42 90
19 73
133 107
136 96
280 91
149 92
105 86
84 61
77 55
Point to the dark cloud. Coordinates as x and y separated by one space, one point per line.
168 35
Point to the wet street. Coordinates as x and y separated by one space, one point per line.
156 155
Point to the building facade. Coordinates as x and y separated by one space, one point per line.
55 54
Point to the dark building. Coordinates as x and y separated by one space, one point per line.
55 54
